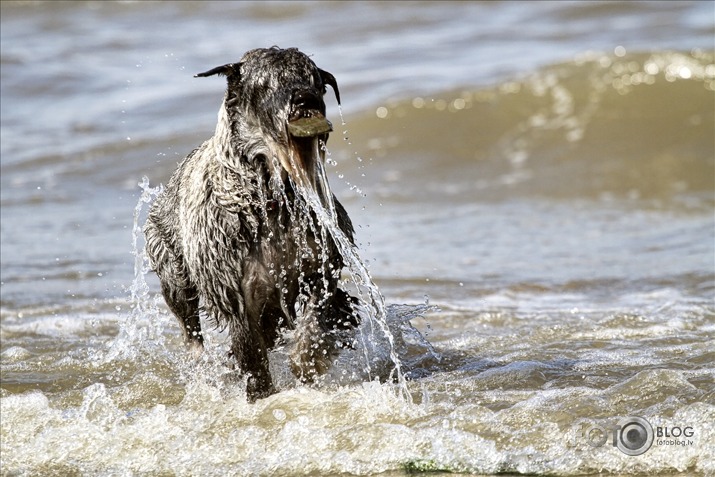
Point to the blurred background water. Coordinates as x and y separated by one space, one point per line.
543 171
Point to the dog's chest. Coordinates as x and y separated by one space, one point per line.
293 243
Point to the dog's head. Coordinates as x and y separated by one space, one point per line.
275 106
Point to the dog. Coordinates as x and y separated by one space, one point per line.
233 235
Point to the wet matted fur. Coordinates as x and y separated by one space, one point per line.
232 235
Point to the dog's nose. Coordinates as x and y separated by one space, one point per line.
306 99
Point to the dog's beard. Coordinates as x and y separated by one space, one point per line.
301 161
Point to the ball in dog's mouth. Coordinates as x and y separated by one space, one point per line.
309 125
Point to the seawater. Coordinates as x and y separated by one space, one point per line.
532 187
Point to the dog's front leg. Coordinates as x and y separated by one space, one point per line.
313 349
251 353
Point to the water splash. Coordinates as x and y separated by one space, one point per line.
401 316
313 213
135 329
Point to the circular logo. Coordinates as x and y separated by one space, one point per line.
635 436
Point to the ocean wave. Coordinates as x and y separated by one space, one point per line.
608 126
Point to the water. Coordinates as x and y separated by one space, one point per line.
543 172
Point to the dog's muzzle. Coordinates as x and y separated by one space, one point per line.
306 117
307 127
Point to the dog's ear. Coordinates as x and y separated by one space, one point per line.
229 70
330 79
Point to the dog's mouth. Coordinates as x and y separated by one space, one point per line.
307 116
309 124
307 128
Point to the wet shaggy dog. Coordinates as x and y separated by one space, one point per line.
233 236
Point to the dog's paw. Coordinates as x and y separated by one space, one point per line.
308 365
196 349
